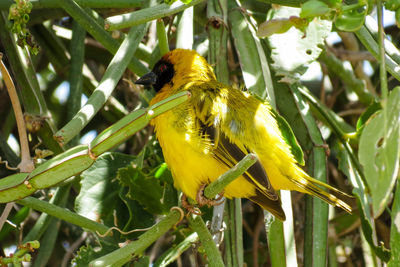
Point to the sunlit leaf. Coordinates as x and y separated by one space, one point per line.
313 8
380 151
294 49
347 167
273 26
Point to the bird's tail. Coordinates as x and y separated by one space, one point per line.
313 187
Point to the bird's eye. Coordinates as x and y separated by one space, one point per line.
162 67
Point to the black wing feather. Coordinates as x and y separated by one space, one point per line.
230 154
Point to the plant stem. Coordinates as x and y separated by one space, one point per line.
336 66
369 42
137 247
145 15
63 214
234 226
98 32
110 79
241 167
213 255
77 52
5 4
26 164
162 37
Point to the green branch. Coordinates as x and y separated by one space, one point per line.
97 31
145 15
213 255
63 214
137 247
107 84
5 4
218 185
372 46
347 76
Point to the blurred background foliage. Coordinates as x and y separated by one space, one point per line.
319 63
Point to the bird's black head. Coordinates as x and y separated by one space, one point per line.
161 74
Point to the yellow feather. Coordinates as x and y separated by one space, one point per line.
199 138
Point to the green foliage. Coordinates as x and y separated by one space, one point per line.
293 50
347 124
147 190
351 19
314 8
99 191
290 138
379 151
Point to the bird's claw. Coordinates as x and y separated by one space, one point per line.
203 200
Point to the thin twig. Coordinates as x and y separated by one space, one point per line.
26 164
5 213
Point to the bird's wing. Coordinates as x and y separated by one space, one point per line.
230 154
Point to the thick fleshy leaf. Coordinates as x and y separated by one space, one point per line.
379 151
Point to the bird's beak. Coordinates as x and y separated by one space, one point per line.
147 79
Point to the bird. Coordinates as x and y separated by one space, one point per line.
219 125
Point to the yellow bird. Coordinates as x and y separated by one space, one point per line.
212 131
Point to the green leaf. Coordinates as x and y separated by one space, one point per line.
294 49
374 107
99 194
380 151
392 5
88 253
289 137
347 167
395 230
351 20
313 8
253 60
133 215
143 188
273 26
85 255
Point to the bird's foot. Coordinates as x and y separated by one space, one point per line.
189 207
203 200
